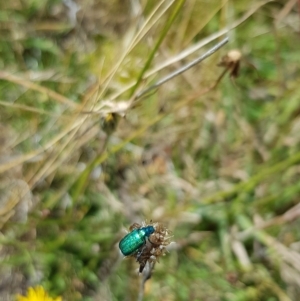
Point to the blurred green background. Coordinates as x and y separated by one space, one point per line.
214 159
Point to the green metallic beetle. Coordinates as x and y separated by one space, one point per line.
134 240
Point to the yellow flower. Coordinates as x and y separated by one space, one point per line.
37 294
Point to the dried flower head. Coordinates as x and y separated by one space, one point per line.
155 246
110 122
231 61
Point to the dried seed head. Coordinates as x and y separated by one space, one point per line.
231 61
155 246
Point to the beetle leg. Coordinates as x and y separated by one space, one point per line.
152 243
139 253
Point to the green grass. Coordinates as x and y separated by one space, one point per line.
219 166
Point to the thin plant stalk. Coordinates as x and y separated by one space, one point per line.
165 30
